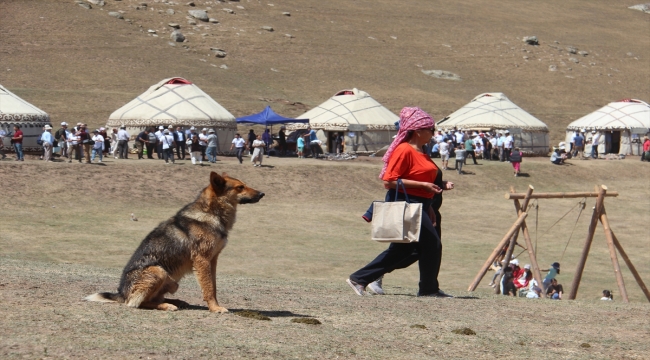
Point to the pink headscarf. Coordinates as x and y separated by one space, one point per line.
410 118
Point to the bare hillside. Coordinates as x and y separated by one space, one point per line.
80 65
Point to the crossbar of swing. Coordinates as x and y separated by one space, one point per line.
519 196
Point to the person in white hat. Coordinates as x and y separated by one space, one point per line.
211 150
123 143
507 146
167 143
47 139
159 148
60 138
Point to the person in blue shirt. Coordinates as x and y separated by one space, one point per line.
435 151
314 147
300 146
553 271
48 139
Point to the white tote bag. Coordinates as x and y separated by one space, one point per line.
397 221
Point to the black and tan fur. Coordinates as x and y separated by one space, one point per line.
189 241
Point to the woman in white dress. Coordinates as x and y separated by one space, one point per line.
258 145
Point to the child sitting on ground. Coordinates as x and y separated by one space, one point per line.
607 295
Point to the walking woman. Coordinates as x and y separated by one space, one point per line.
407 160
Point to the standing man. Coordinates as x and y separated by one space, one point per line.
74 148
159 145
578 145
168 146
203 141
141 141
114 143
595 141
60 136
283 140
469 151
17 141
500 142
84 139
507 145
152 144
487 147
211 149
238 143
123 143
251 138
313 142
48 140
179 138
266 137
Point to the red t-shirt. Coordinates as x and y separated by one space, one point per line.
17 134
646 145
406 163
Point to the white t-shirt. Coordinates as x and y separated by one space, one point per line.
258 143
203 139
167 141
74 139
493 141
99 142
595 139
159 134
443 147
507 143
239 142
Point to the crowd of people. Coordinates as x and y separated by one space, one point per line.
461 145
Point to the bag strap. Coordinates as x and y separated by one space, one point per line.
400 183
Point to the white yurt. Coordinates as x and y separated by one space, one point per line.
367 126
494 112
621 124
177 102
16 111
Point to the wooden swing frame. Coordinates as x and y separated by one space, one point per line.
599 214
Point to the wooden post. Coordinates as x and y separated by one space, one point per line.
612 255
529 246
590 236
513 241
519 196
486 266
636 275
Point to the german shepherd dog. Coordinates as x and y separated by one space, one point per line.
189 241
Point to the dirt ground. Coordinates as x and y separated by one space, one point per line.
66 233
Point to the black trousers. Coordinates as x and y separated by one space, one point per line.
506 153
180 150
203 148
428 252
150 149
159 150
470 152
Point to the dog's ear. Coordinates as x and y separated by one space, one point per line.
218 183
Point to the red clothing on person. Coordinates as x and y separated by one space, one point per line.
406 163
17 134
646 146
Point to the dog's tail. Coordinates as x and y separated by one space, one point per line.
105 297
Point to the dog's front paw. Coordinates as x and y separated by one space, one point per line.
218 309
167 307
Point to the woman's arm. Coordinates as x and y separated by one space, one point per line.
412 184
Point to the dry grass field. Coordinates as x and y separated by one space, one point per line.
65 230
66 233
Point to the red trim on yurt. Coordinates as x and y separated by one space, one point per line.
178 81
344 92
630 100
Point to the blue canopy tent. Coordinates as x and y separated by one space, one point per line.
268 117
